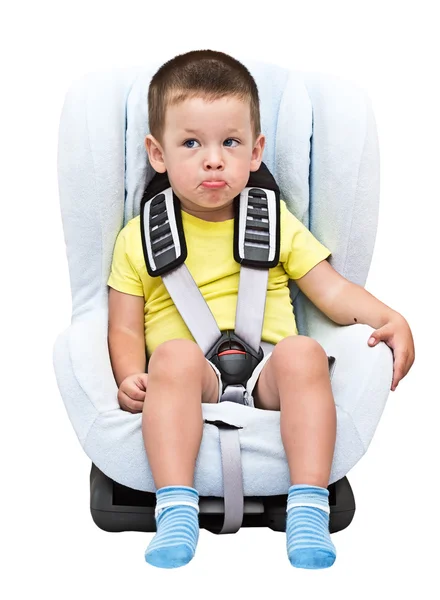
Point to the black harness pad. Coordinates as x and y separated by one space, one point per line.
257 209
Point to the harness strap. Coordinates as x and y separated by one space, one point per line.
234 393
232 479
192 306
233 491
251 303
256 248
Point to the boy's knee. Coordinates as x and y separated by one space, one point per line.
176 355
298 353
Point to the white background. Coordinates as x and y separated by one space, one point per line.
50 546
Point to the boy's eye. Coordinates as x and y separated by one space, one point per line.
190 142
229 143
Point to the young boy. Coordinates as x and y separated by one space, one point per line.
205 134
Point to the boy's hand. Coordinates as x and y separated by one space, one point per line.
131 393
397 335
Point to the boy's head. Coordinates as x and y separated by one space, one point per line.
204 119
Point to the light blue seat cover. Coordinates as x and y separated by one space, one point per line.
321 146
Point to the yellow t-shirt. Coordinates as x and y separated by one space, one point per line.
211 262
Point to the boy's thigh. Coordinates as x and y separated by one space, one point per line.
184 353
265 389
263 394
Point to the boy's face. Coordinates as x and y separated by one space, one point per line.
208 152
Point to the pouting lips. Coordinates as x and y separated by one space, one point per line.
214 184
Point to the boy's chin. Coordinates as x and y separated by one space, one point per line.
211 200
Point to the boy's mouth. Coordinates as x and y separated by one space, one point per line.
214 184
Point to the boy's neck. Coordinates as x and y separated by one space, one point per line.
218 216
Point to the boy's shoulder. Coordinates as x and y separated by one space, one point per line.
129 238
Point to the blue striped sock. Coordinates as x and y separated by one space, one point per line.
177 525
307 528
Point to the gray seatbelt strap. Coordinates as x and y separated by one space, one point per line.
198 317
256 240
232 480
162 244
234 393
256 245
233 491
192 307
251 302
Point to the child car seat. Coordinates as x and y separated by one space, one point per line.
321 147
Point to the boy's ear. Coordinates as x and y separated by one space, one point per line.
155 154
257 152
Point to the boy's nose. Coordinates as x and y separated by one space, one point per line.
214 160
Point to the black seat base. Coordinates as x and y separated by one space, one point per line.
116 508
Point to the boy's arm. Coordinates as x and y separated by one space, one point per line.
126 336
346 303
341 300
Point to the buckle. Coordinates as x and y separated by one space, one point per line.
235 359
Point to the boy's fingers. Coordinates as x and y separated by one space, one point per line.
380 334
141 381
399 369
134 392
127 403
136 407
144 378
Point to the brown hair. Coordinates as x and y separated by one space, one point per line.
205 73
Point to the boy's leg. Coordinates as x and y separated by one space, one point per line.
295 380
179 379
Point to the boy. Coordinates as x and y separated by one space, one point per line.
205 134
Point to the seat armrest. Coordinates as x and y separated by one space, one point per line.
83 370
362 375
